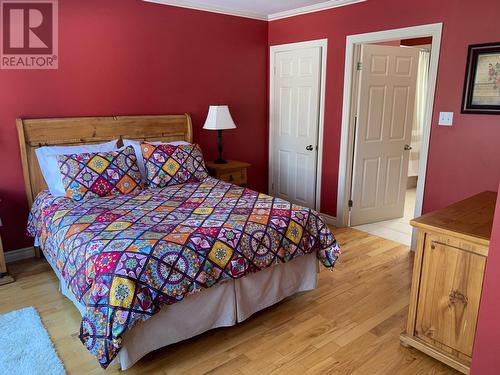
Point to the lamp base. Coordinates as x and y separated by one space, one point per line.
220 161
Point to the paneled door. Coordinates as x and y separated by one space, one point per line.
294 125
386 101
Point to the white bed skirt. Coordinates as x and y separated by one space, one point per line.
223 305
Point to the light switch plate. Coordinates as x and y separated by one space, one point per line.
446 118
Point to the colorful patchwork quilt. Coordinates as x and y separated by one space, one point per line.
126 256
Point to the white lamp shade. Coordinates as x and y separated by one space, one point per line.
219 118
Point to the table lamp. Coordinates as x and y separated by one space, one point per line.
219 119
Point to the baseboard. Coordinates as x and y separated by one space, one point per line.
330 220
19 254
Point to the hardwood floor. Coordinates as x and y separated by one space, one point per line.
349 325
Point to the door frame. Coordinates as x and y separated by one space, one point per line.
323 44
347 131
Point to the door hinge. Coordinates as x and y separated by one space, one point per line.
359 65
350 203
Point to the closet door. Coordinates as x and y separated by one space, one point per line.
294 128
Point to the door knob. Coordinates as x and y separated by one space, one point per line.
407 147
309 148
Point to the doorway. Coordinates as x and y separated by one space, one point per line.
378 180
297 91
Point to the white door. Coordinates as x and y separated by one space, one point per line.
294 125
386 100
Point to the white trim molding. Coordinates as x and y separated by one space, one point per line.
330 220
323 44
210 8
312 8
346 140
19 254
202 6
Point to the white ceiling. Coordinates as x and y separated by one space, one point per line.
259 9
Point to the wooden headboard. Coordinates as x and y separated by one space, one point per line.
34 133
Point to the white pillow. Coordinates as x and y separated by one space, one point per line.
47 159
138 152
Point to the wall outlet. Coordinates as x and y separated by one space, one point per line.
446 118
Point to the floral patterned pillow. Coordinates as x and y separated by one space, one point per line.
171 165
100 174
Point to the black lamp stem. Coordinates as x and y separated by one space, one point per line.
219 148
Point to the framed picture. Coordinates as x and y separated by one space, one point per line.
482 79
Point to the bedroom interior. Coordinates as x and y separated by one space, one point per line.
135 239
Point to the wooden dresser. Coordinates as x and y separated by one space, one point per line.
450 258
233 171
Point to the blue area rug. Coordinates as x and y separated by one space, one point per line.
25 346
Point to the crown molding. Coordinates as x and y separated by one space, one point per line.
312 8
257 16
210 8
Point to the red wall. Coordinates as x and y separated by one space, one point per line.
463 159
486 357
132 57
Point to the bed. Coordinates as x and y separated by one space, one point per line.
275 256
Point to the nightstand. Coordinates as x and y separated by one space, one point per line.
5 278
233 171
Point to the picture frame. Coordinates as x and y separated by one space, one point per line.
482 80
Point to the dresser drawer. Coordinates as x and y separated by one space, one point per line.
237 177
233 171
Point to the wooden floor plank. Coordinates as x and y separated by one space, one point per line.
349 325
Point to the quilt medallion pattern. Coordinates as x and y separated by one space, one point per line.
100 174
126 256
169 165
